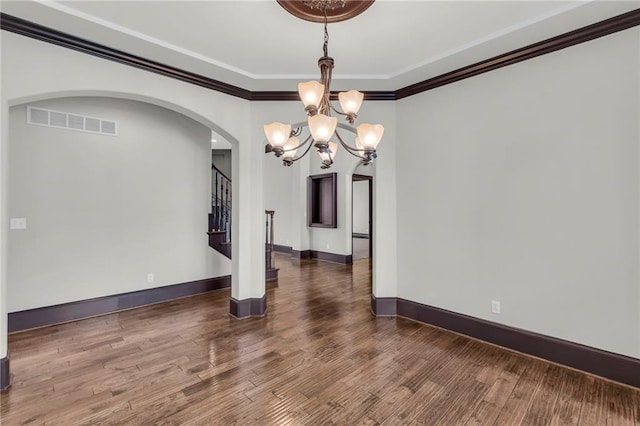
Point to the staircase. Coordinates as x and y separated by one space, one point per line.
220 216
220 222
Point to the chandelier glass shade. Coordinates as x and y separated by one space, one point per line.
284 141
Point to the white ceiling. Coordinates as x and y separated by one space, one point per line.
257 45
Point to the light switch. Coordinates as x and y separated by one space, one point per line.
18 223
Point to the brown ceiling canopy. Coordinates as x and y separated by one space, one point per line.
337 10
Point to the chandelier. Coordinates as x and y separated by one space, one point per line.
316 96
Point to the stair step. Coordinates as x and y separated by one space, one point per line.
218 241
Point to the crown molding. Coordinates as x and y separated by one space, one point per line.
293 96
599 29
275 96
49 35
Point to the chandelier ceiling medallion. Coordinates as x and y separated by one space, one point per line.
283 141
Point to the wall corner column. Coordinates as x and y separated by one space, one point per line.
4 220
248 297
385 276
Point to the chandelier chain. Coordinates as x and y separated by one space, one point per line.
325 47
325 4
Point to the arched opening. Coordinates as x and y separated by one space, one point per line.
101 209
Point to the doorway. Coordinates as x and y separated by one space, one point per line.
362 216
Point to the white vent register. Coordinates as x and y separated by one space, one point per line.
69 121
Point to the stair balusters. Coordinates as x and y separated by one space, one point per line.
271 272
220 216
220 222
268 256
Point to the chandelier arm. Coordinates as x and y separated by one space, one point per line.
301 145
350 150
307 140
337 111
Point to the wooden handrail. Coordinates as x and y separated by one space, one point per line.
213 166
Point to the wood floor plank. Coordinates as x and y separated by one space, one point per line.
317 357
594 403
569 402
621 411
540 410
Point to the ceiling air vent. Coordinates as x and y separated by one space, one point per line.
69 121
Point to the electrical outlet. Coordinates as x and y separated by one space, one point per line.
18 223
150 277
495 306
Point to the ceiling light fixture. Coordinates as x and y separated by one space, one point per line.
284 142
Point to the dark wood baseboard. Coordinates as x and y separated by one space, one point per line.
331 257
271 274
321 255
384 306
602 363
246 308
301 254
49 315
5 377
282 249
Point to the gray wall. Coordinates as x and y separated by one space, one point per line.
102 211
525 191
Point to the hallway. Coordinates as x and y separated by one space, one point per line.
318 357
360 248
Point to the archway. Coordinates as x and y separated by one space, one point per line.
197 116
108 214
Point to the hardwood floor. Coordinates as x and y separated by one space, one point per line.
318 357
